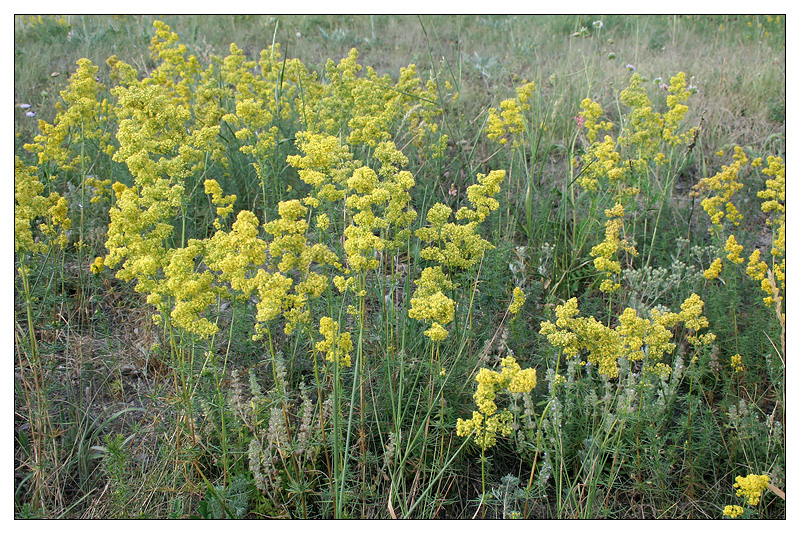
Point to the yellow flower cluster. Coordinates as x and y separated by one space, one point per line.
774 205
603 165
336 347
713 271
591 113
259 101
192 291
605 252
733 511
368 105
517 301
632 338
692 317
509 119
618 164
97 265
236 254
481 196
459 246
175 70
736 363
644 126
101 189
422 110
724 184
139 229
751 487
733 249
289 250
161 148
361 243
177 121
676 102
398 213
454 246
486 423
377 203
325 166
120 72
429 303
30 206
84 121
224 203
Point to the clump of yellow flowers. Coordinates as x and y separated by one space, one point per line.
774 205
336 346
460 246
429 302
713 271
30 206
633 338
733 511
454 247
606 252
751 487
724 184
618 168
517 301
84 120
722 213
487 422
736 363
509 120
174 125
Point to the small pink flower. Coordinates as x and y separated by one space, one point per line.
31 113
24 106
579 120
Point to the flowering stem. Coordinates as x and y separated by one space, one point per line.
362 431
83 201
483 482
23 271
536 456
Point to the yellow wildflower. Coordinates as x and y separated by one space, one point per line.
733 249
736 363
30 205
604 345
337 347
97 266
487 422
733 511
713 271
725 184
517 301
751 487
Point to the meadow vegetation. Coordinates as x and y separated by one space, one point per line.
399 267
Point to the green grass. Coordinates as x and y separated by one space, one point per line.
120 416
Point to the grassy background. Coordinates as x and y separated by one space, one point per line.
737 64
